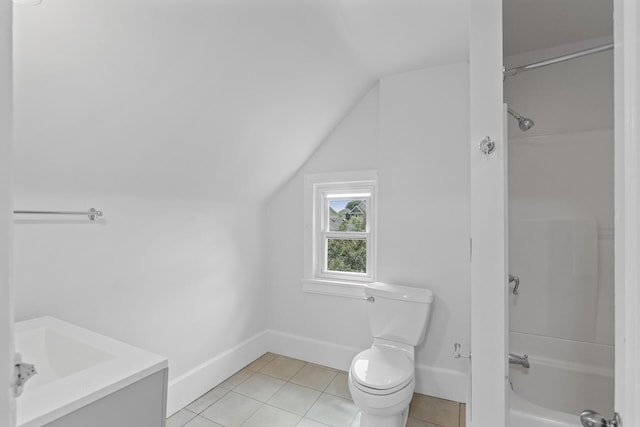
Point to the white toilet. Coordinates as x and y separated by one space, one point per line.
381 378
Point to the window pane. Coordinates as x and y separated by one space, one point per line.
347 255
347 215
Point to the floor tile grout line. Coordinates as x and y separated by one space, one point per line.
284 410
203 416
279 355
280 409
271 376
273 406
320 392
279 388
337 371
212 403
311 389
252 372
312 405
249 417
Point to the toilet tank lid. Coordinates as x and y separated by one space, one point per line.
406 293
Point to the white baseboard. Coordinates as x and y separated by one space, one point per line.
437 382
443 383
323 353
194 383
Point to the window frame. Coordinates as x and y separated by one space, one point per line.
341 191
319 190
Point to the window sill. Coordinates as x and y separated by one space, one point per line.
334 288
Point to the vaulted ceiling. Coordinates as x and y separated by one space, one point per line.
204 98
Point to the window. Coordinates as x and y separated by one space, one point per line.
344 237
340 225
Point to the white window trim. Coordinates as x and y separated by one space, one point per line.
323 192
326 283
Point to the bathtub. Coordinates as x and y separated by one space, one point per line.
564 379
79 369
523 413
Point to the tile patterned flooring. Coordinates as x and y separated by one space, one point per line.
278 391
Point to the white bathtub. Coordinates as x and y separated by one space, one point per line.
76 367
523 413
564 379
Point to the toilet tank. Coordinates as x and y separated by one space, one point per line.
398 313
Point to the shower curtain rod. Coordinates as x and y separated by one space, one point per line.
516 70
92 213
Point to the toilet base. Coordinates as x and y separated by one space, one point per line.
394 420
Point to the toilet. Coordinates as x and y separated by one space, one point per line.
382 378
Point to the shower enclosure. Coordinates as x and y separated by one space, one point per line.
569 288
561 236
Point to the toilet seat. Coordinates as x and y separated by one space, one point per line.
382 370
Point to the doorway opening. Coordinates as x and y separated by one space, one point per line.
561 208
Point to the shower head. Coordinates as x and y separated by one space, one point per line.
523 122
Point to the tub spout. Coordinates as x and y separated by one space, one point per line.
523 360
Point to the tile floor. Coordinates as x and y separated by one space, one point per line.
278 391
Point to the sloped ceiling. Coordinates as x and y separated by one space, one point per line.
204 98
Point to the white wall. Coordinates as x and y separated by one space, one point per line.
351 146
178 120
424 198
563 167
572 96
412 128
182 278
7 402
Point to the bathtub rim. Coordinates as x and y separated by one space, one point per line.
68 394
520 407
570 357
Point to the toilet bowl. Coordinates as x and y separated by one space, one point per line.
381 382
382 377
